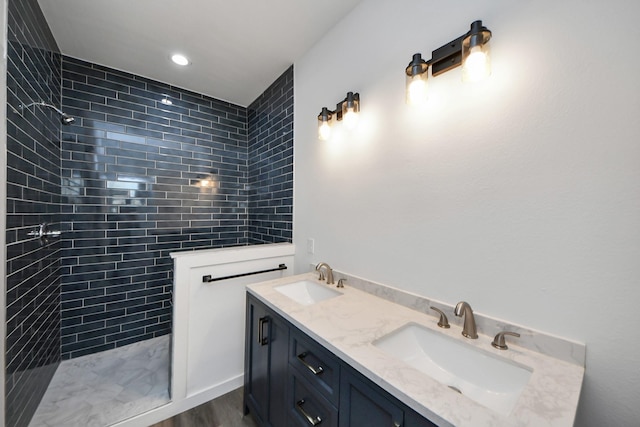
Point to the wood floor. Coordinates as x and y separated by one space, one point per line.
225 411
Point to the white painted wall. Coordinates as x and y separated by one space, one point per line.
520 195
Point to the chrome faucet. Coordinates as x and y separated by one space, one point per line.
319 267
469 329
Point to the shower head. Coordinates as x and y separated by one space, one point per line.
64 118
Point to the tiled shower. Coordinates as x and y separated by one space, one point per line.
33 196
131 180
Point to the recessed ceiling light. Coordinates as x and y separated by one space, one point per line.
180 59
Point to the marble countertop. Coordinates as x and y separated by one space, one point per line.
347 325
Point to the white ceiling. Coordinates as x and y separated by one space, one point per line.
237 47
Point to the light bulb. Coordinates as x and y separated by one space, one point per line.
350 108
350 119
417 91
324 131
476 64
417 73
476 61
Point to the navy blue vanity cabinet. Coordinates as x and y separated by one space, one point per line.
293 381
314 382
365 404
413 419
279 344
266 359
307 405
316 364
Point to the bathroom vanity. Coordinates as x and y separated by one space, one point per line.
317 355
290 379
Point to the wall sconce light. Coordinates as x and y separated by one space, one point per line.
346 110
471 50
324 124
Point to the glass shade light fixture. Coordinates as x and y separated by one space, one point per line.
417 75
324 124
471 50
350 110
346 110
476 62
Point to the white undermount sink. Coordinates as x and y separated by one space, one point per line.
490 380
307 292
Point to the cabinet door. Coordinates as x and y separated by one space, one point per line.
256 380
278 361
362 405
266 360
413 419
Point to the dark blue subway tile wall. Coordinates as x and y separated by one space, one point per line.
33 197
271 163
140 179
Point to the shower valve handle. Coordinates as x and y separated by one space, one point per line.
43 231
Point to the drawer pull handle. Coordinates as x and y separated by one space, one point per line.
315 371
262 340
313 421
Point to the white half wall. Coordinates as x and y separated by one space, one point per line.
209 317
520 194
208 337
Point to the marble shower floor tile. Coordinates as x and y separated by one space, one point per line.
100 389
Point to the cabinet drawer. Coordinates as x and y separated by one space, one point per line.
316 364
306 405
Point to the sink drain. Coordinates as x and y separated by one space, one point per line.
455 389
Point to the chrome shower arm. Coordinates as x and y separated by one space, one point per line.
65 118
43 104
